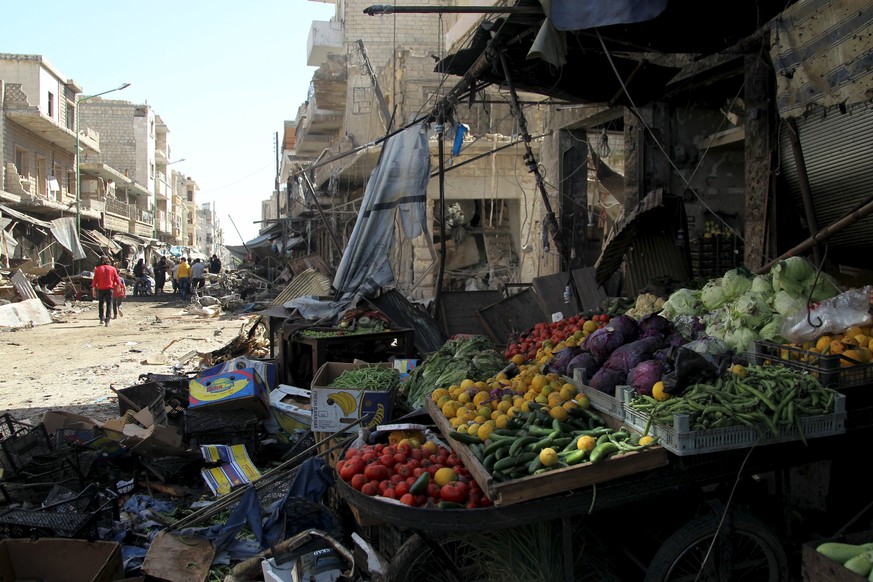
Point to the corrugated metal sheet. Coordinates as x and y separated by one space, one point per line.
309 282
646 238
838 152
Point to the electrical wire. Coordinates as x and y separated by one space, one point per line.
724 513
660 146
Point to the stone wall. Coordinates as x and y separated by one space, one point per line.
113 120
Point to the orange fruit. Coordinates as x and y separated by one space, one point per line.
517 359
586 443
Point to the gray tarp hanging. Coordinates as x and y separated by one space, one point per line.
574 15
398 184
64 230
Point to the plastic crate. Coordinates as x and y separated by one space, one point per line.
827 368
148 395
680 440
610 405
21 446
221 427
64 514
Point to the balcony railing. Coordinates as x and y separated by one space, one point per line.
118 207
145 216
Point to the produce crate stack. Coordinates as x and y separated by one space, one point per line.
714 254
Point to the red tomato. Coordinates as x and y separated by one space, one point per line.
418 471
389 450
417 454
432 469
368 456
401 488
352 467
412 463
352 453
378 447
390 493
454 491
420 500
376 472
395 478
358 481
485 502
370 488
403 470
452 460
433 490
387 460
408 499
383 485
399 458
339 466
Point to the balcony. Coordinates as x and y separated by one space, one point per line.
329 84
117 207
18 109
324 38
312 143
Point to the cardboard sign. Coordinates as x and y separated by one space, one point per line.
230 391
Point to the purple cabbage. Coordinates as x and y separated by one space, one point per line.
586 361
603 342
644 375
625 325
653 321
605 380
560 360
629 355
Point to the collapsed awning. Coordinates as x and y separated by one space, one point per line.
23 217
130 240
100 239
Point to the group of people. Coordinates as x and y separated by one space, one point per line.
109 288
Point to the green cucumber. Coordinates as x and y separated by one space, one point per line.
420 485
450 505
575 457
465 438
602 451
513 461
519 444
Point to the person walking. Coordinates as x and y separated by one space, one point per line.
160 275
183 278
197 270
119 294
102 285
215 265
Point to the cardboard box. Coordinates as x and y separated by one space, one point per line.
292 408
268 370
141 435
230 391
335 408
60 560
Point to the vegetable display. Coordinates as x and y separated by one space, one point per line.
465 357
767 398
427 475
376 378
857 558
534 442
741 308
542 339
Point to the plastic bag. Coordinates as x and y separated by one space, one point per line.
690 367
834 315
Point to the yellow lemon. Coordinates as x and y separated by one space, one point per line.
558 413
658 392
444 475
586 443
647 440
548 457
466 383
485 431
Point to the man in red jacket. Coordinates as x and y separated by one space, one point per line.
105 280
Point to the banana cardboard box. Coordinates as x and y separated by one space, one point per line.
233 390
335 408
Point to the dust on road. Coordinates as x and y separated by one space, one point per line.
71 364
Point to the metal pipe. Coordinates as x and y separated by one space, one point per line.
383 9
821 235
805 189
440 127
333 238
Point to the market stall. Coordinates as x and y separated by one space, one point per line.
737 435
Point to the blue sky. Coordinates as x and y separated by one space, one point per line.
223 75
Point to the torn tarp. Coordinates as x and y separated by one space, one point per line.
398 184
64 229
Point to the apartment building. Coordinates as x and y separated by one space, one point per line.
123 187
375 75
210 238
189 230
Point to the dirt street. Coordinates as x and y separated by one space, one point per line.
70 365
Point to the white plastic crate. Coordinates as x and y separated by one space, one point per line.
679 439
601 401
